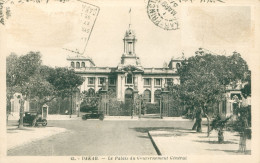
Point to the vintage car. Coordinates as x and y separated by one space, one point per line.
30 116
93 115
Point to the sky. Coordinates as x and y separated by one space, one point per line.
49 27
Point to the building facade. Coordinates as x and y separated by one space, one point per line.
128 76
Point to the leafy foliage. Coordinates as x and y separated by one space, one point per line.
27 75
64 80
243 121
246 90
90 101
200 84
205 76
219 122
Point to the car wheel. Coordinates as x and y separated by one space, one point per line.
44 122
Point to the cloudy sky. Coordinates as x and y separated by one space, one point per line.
49 27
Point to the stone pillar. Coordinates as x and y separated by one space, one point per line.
45 110
118 87
104 99
84 85
96 84
106 81
139 82
123 87
135 96
163 82
165 102
26 106
152 90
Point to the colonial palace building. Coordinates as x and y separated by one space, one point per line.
127 79
128 76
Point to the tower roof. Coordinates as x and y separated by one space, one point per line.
130 33
80 58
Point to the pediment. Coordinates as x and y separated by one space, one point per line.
130 68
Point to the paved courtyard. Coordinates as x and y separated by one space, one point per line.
94 137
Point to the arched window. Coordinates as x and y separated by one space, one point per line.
147 96
77 65
72 64
82 64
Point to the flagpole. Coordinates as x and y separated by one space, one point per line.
130 18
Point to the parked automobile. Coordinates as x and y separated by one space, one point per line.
30 116
93 115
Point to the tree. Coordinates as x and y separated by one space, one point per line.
26 75
19 71
90 101
246 90
175 95
204 78
242 125
200 86
65 82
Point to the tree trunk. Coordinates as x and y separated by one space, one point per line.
220 136
21 114
208 125
242 142
195 125
59 105
199 125
198 120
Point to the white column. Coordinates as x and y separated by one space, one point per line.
96 84
118 87
123 87
163 82
106 81
140 83
152 90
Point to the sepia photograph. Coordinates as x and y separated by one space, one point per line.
122 80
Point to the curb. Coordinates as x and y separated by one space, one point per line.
154 145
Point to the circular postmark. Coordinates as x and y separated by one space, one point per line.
163 13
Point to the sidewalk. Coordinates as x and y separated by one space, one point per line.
17 137
75 117
188 142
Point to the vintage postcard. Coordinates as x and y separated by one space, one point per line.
129 80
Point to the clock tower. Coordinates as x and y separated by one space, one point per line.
129 56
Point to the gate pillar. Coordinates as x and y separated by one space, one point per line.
104 100
135 101
165 102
